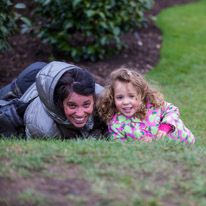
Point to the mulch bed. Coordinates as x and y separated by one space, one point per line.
141 54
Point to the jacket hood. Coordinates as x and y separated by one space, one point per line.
46 81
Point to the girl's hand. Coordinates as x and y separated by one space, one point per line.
146 139
160 134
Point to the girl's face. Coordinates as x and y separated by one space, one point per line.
78 108
126 99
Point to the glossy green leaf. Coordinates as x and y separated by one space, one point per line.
116 31
90 13
46 2
75 3
4 30
20 6
26 21
104 40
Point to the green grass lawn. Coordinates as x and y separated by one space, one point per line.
90 172
181 71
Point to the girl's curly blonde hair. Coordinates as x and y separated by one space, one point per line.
106 104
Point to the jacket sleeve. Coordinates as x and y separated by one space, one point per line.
11 121
38 124
116 132
170 115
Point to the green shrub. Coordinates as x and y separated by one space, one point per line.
8 19
85 29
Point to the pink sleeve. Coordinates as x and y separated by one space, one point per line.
165 127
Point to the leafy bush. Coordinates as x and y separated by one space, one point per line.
8 19
85 29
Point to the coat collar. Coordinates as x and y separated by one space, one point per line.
122 118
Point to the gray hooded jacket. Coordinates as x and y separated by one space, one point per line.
42 118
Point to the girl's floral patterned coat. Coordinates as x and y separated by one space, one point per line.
122 127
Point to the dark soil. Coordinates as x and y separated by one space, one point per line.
141 54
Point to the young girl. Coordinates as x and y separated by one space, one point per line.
134 109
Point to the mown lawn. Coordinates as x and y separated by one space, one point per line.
181 71
90 172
